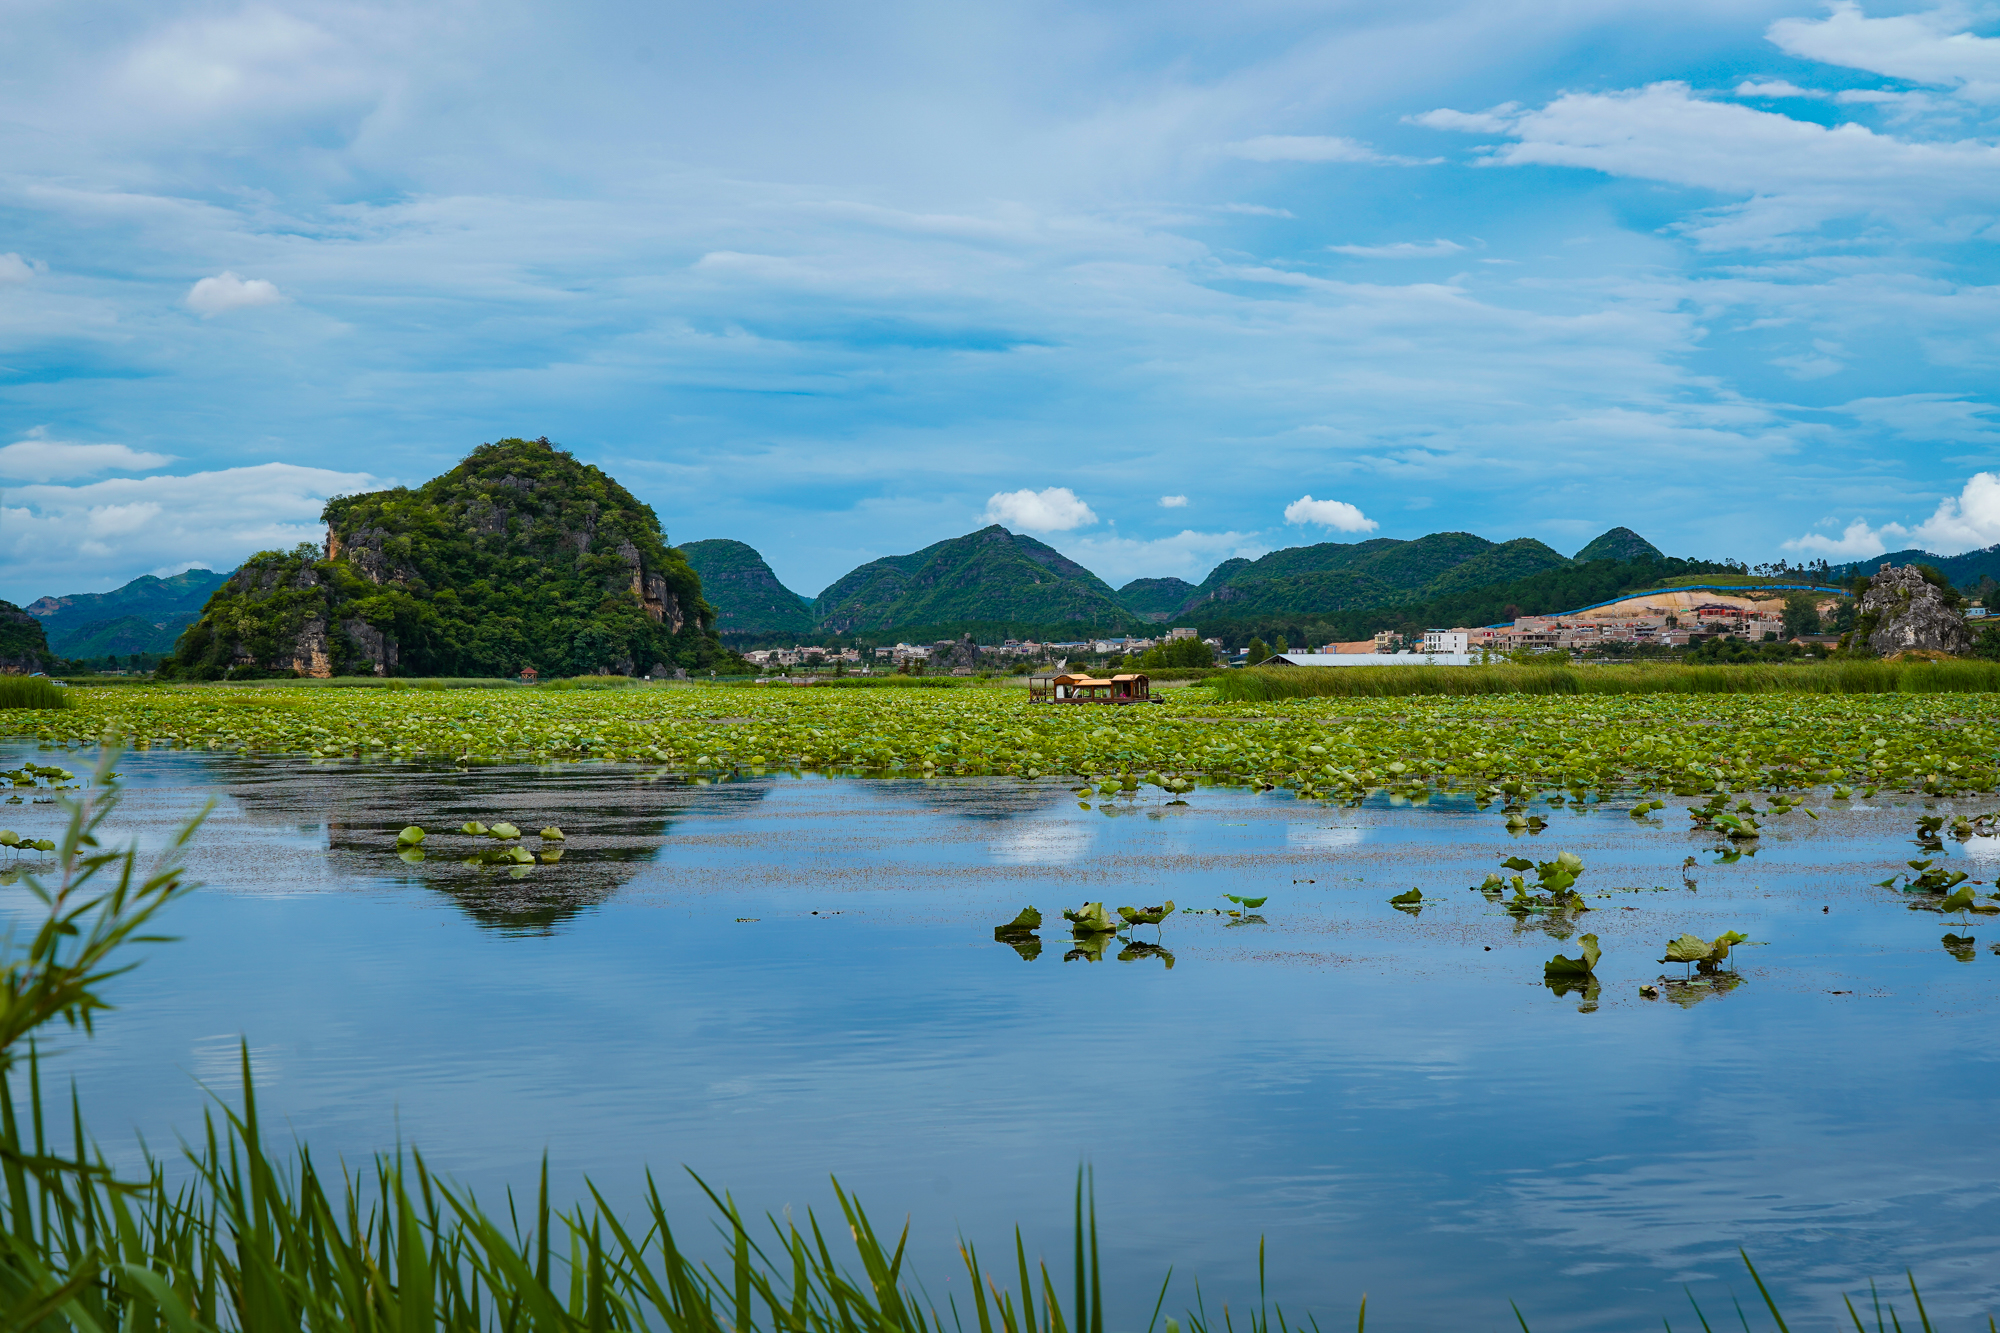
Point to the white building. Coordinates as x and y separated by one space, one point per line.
1446 641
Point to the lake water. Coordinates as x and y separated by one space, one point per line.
1396 1103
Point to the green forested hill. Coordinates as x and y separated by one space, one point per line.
520 556
1619 544
1155 599
23 645
75 622
746 594
1332 577
990 577
125 635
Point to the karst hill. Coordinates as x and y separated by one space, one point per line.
518 557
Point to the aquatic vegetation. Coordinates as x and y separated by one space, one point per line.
1409 899
1583 965
14 842
1962 947
410 837
36 692
1706 955
1247 904
1147 916
1019 934
1090 919
1943 889
1511 749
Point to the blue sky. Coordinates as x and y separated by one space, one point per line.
1161 283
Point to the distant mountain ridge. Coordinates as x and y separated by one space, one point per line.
145 616
1155 599
745 592
988 577
1382 571
1964 570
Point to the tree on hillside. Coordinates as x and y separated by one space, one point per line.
1801 614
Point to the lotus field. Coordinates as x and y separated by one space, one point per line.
1503 747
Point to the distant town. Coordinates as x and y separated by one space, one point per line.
1810 619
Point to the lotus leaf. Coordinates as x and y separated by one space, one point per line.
1090 919
1027 919
1582 966
1413 896
504 832
473 828
411 836
1248 904
551 834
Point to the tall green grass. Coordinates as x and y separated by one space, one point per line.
31 692
1844 677
255 1242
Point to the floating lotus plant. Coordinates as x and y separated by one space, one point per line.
1962 947
411 836
551 834
1019 934
1644 808
15 842
1247 904
1135 950
1706 955
1147 916
1090 919
472 828
1583 965
1411 902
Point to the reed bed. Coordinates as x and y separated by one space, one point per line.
249 1241
31 692
1262 684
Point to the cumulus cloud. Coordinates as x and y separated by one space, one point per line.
1317 148
1967 521
1336 514
1053 510
38 459
226 291
1929 47
1173 502
63 539
13 268
1437 249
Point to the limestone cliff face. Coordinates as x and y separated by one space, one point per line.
1904 612
520 556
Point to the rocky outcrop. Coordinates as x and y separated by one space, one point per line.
376 647
1903 612
949 656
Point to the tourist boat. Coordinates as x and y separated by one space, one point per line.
1070 687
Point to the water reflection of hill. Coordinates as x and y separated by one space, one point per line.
614 821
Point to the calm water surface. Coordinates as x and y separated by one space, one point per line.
1396 1102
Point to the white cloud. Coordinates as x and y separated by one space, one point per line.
1437 249
1497 121
1967 521
1173 502
1929 47
226 291
37 459
1053 510
1858 542
1774 88
63 539
1317 148
1792 175
1336 514
1930 417
13 268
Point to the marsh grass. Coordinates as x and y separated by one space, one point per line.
31 692
250 1241
1260 684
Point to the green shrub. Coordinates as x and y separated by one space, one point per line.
1861 676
